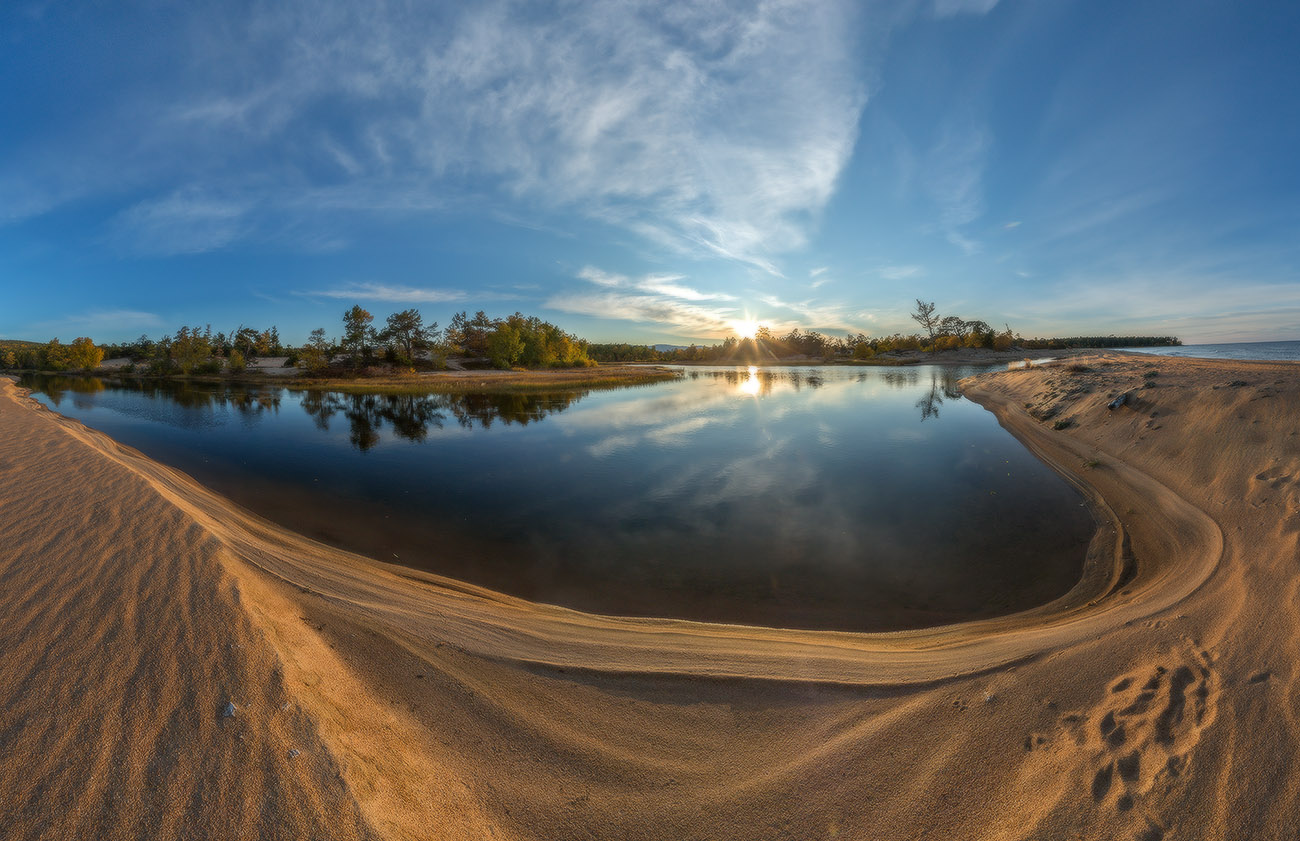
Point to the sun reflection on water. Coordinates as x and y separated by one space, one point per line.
750 385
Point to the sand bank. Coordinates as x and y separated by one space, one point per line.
1156 697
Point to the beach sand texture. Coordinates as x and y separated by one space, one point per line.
1158 699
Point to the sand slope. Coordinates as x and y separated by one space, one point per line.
1154 700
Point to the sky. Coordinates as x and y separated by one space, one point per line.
651 172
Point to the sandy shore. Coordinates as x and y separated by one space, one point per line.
1155 700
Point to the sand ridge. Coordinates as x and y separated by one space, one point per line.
449 711
1184 545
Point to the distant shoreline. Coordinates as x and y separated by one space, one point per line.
904 358
608 375
424 382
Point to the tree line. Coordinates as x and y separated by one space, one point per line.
404 340
939 333
82 354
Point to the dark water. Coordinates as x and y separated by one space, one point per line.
855 499
1268 351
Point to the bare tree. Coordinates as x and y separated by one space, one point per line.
927 318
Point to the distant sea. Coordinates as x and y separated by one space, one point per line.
1234 350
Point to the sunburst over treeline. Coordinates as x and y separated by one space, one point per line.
405 341
940 333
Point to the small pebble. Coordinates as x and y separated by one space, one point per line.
293 752
228 711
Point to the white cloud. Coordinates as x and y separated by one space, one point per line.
720 128
603 278
182 223
652 299
818 277
949 8
688 319
664 301
898 272
967 245
658 284
811 315
686 293
390 294
92 322
954 174
682 311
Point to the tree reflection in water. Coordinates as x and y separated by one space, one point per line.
245 400
56 388
943 384
199 395
410 417
943 381
764 378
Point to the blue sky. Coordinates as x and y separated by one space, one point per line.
650 172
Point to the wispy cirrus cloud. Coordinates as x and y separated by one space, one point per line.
390 294
603 278
665 301
182 223
814 314
652 299
949 8
818 278
684 318
715 128
899 272
686 293
92 322
667 285
954 182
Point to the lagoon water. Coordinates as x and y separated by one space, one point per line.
837 498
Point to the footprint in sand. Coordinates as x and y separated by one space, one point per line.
1145 731
1278 478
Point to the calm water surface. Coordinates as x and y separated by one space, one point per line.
854 499
1270 351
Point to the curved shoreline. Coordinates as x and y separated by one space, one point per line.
1175 544
371 702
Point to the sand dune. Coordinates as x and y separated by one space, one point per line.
1155 700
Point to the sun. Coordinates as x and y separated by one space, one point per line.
745 329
